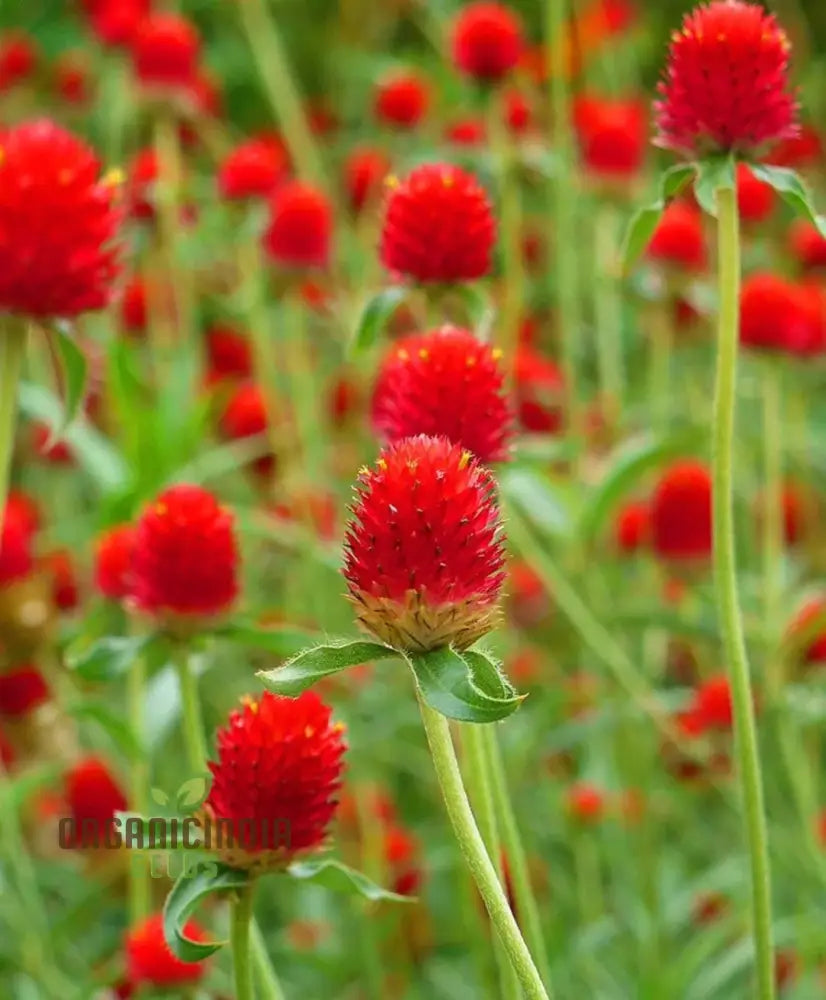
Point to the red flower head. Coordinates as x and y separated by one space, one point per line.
444 382
586 803
165 51
133 306
149 960
57 223
72 79
60 566
116 22
487 40
276 778
466 132
809 625
300 227
612 135
424 556
800 151
52 452
16 560
681 512
755 198
726 83
438 226
807 246
245 416
185 561
401 852
143 172
22 690
632 527
114 551
252 170
364 171
93 796
518 113
678 240
712 704
402 100
18 58
774 314
229 352
22 507
540 392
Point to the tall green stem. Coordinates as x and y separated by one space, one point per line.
138 782
725 579
239 936
608 308
269 987
194 740
473 849
772 512
12 349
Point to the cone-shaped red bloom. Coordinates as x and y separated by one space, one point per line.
252 170
632 527
364 170
165 51
424 556
57 224
438 226
487 40
444 382
402 100
278 771
149 960
726 82
116 22
22 690
229 352
300 227
114 551
185 560
681 512
93 796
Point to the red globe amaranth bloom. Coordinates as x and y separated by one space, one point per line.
165 51
16 559
93 797
229 353
540 392
22 507
57 224
133 306
612 135
445 382
18 58
51 452
518 112
364 171
402 853
809 630
60 566
774 314
300 227
149 960
72 79
708 907
252 170
116 22
678 240
424 555
466 132
681 512
585 803
487 40
806 245
244 416
185 560
438 226
114 550
143 172
800 151
632 527
726 82
712 704
276 778
755 198
22 690
528 602
402 100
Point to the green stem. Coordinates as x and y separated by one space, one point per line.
725 579
239 936
473 849
138 880
526 906
608 308
194 740
268 984
12 350
772 515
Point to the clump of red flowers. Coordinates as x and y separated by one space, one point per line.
680 512
444 382
185 557
402 100
151 963
299 233
424 556
726 82
438 226
58 221
165 51
252 170
487 40
276 778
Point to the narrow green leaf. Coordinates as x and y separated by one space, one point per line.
462 686
107 658
374 317
205 880
338 877
644 222
713 174
792 190
73 362
114 725
282 642
530 489
309 666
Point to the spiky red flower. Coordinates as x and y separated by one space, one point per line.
585 803
244 416
681 512
300 228
228 351
774 314
445 382
755 198
726 82
364 171
149 960
22 690
632 526
165 51
438 226
487 40
93 796
252 170
114 551
806 244
16 560
678 240
401 99
57 224
612 135
275 781
540 391
18 58
424 555
185 561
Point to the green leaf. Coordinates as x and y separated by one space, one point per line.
530 489
338 877
713 174
282 642
113 724
792 190
464 686
374 317
75 369
309 666
185 895
479 308
107 658
644 223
